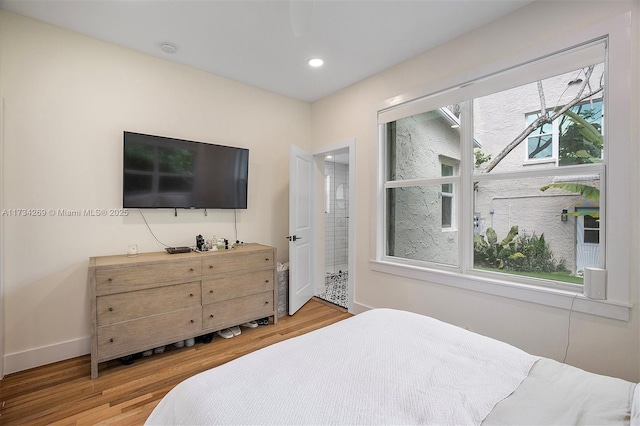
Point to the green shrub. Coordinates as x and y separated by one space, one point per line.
515 252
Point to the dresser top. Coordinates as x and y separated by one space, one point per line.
123 259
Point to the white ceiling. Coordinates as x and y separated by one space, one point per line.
267 43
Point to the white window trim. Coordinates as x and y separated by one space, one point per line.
617 305
541 295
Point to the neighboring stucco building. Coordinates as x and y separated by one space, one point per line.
424 216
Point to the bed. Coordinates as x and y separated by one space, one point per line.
386 366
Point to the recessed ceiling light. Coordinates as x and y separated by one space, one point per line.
168 48
316 62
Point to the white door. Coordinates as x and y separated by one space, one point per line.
301 287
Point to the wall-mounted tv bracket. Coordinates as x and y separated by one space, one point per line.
175 212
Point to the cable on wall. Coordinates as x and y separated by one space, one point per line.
154 235
566 350
235 223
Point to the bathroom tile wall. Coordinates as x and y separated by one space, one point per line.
336 216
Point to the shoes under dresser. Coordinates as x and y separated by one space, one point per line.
154 299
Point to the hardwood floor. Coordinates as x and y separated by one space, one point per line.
64 394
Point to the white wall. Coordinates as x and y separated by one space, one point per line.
1 243
597 344
67 100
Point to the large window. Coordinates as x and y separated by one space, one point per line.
520 205
452 160
522 202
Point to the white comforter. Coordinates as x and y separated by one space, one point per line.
559 394
380 367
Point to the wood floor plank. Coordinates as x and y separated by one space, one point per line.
64 394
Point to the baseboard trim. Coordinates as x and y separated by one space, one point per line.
358 308
37 357
20 361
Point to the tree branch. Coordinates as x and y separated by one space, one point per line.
544 118
543 104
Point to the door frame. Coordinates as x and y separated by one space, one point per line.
318 245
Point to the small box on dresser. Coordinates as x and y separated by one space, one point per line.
154 299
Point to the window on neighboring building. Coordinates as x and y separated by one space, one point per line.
591 230
447 197
581 134
563 140
540 143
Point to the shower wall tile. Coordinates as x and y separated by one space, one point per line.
336 218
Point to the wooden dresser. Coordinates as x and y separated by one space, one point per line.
155 299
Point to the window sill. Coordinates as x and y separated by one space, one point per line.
541 295
529 162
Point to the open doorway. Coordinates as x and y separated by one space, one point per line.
334 287
321 229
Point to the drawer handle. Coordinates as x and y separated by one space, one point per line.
191 269
266 303
111 340
211 291
192 321
211 316
267 259
191 295
109 279
110 309
210 266
266 281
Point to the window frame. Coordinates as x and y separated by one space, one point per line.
616 32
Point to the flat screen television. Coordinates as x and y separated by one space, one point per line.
161 172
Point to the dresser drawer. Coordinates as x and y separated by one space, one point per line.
120 307
238 261
237 285
116 280
216 316
125 338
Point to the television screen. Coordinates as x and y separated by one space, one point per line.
161 172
